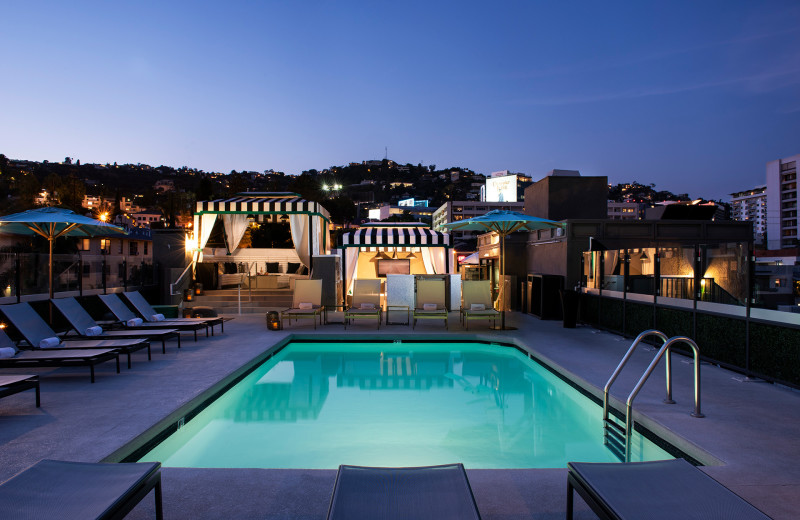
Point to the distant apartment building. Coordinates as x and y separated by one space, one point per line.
626 210
164 185
145 218
385 211
782 228
453 211
751 205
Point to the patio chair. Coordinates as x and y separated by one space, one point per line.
60 489
36 331
147 312
306 302
366 302
429 303
477 302
127 317
432 492
19 383
82 323
664 489
63 357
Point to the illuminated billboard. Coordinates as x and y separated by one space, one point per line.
501 189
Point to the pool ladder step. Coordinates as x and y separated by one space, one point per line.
614 438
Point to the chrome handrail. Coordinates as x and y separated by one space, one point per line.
639 338
179 281
665 348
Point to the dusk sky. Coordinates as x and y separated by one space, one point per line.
693 96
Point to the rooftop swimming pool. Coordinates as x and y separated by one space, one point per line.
317 405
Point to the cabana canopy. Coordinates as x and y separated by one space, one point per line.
434 246
308 220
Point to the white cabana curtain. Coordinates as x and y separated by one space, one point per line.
351 261
204 225
235 227
427 260
298 225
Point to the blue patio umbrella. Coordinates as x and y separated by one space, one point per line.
51 223
503 222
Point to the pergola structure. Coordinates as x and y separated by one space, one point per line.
308 221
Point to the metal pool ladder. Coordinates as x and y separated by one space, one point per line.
618 437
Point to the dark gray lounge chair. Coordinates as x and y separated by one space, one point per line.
147 311
12 384
431 492
57 358
124 314
80 321
80 490
34 329
664 489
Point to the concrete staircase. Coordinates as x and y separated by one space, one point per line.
255 301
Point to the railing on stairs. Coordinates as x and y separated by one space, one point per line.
618 437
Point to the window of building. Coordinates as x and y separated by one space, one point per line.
133 248
105 246
145 248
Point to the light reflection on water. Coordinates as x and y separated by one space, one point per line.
318 405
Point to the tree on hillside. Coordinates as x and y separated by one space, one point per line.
72 192
204 189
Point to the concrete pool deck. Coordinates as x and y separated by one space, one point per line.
749 435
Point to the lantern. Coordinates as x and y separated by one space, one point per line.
273 321
198 289
188 295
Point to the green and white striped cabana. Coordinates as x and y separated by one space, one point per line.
308 220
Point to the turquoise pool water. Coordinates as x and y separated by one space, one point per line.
318 405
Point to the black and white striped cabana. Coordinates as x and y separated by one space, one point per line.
308 219
396 235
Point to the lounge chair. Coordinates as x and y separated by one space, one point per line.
35 331
429 303
306 302
477 302
432 492
664 489
147 312
82 322
19 383
56 358
59 489
366 302
126 317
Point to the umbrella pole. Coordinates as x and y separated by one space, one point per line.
503 282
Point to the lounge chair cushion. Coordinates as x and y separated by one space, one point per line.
367 306
135 322
157 317
477 307
49 342
8 352
305 306
429 306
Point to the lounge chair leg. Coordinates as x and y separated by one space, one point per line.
179 342
195 334
91 372
222 327
117 363
159 509
149 352
129 360
38 399
569 500
207 331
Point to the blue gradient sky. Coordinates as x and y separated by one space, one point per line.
692 96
